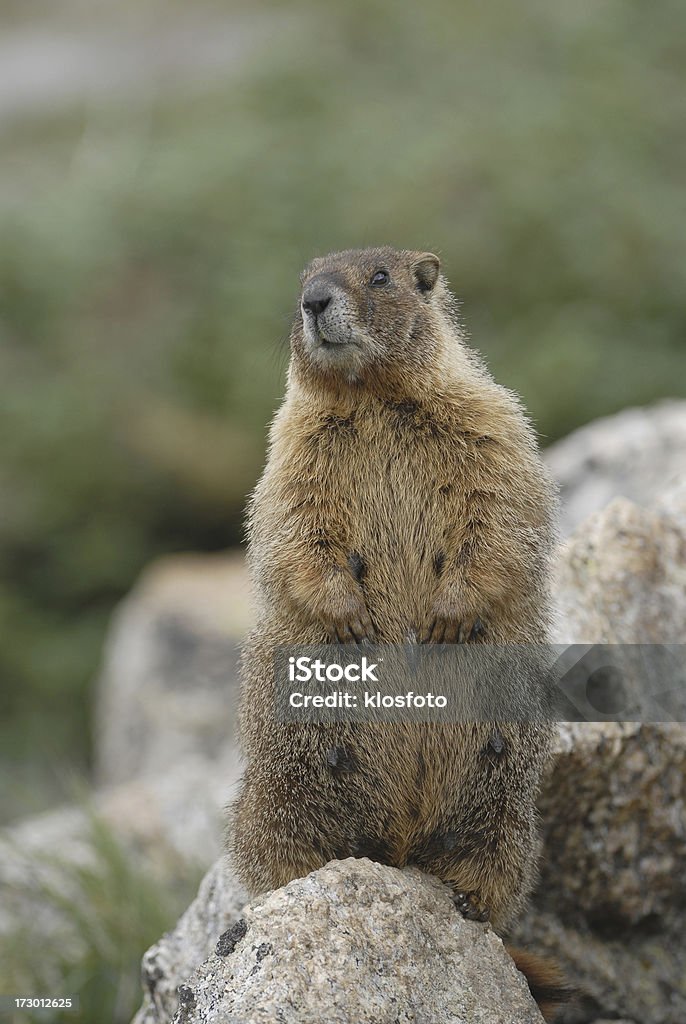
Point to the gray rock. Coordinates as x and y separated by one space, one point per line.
611 898
356 942
633 454
622 576
167 688
172 960
610 901
622 582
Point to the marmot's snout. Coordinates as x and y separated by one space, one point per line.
316 296
325 315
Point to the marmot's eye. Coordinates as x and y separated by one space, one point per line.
380 278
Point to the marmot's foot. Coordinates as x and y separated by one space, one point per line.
469 905
440 630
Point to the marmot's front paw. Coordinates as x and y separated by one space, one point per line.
352 624
440 629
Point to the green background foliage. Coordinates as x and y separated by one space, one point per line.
150 245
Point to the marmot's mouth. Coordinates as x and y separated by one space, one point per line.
329 338
328 342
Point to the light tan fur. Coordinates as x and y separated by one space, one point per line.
404 498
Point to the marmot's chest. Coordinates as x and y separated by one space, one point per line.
401 475
396 452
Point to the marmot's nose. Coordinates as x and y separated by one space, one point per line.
316 298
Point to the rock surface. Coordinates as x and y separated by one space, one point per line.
172 960
353 942
167 688
610 904
622 577
633 454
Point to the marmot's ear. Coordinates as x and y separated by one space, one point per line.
426 267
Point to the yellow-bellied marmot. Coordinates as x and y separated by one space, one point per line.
403 499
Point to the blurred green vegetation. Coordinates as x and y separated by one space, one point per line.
149 255
106 912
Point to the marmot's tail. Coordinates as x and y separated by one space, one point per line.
545 980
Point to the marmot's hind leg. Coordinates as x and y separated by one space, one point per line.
489 874
268 846
289 823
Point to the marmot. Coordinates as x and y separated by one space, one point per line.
404 498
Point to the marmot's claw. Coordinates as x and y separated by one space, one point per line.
355 632
470 906
470 631
433 632
451 631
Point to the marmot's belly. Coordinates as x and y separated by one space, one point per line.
398 526
400 578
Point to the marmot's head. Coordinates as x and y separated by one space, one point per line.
364 311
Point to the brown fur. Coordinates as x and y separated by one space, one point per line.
404 497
